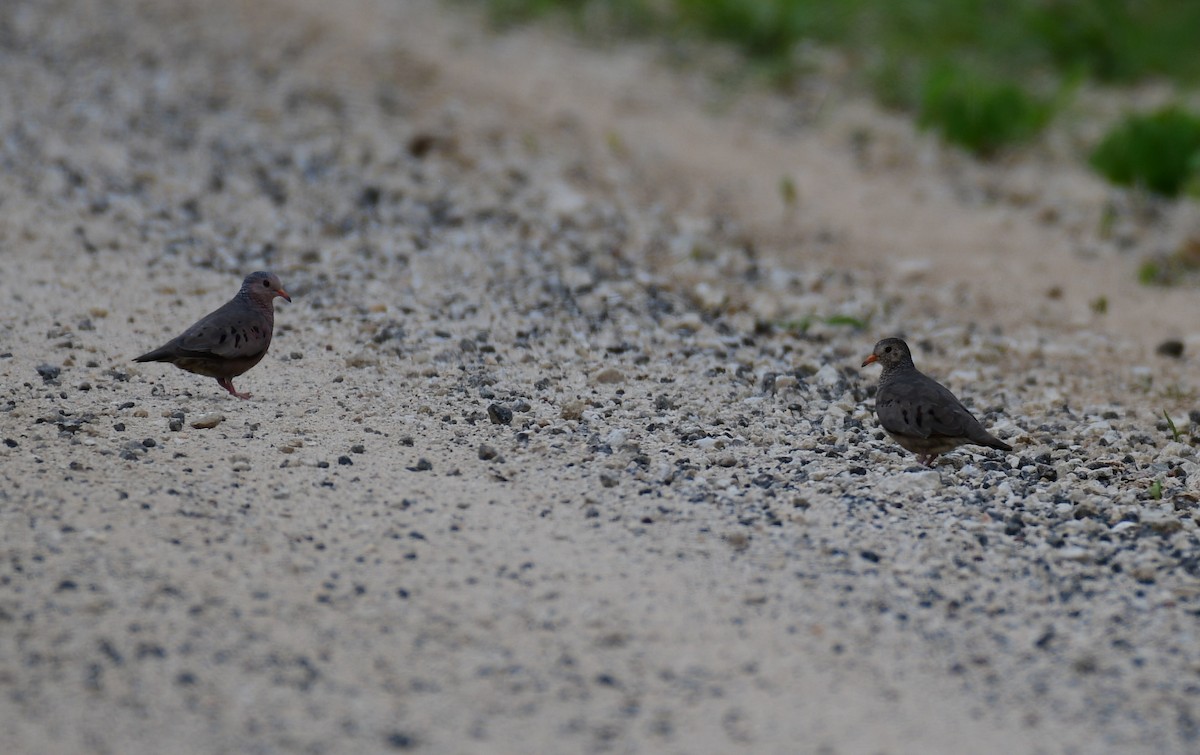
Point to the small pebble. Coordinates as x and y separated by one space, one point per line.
48 372
1172 347
208 421
827 376
499 415
609 375
572 410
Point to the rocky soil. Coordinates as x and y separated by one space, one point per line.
549 455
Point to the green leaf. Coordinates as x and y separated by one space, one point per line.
1171 424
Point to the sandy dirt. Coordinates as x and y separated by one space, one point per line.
556 448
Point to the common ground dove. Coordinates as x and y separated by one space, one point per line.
921 414
228 341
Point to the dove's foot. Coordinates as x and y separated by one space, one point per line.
227 384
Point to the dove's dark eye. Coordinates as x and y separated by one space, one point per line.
888 350
266 284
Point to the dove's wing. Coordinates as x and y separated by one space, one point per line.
916 405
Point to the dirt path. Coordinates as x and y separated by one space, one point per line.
871 195
541 459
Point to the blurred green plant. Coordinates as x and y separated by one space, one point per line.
1168 270
1159 151
1107 40
978 112
509 12
800 326
788 192
1175 434
768 29
587 16
848 321
1118 41
1154 273
963 65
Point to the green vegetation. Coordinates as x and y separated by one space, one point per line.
802 325
1171 424
1168 270
768 30
1118 41
978 112
1159 151
788 192
984 74
589 16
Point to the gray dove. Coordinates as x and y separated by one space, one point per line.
921 414
228 341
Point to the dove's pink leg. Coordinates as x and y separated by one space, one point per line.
227 384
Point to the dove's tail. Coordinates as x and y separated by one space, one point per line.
161 354
993 442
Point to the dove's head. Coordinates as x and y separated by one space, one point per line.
890 353
263 287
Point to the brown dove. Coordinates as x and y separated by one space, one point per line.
228 341
921 414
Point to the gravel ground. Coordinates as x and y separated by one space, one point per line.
533 465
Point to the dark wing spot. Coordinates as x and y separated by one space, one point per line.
224 336
904 414
919 417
